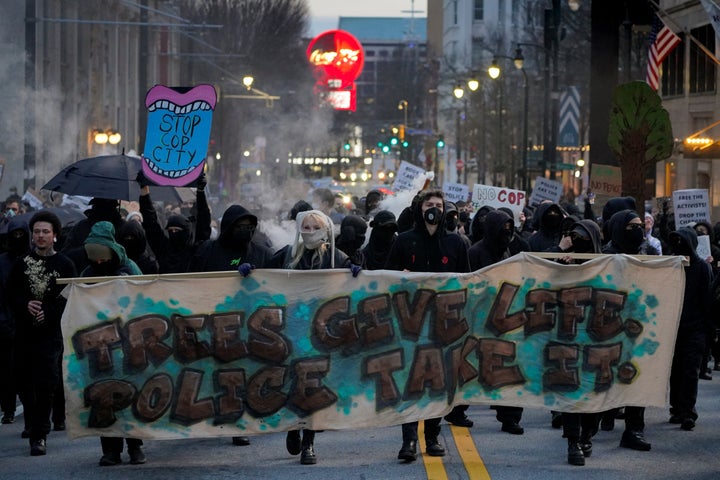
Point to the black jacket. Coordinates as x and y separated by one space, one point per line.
224 254
418 251
546 238
7 259
490 249
696 316
175 258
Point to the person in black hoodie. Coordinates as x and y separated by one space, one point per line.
494 247
427 247
627 235
234 246
704 229
132 237
477 226
549 218
18 245
695 323
383 234
352 238
579 428
175 246
101 209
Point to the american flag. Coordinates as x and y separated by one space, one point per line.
662 42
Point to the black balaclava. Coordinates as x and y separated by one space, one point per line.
181 239
18 242
352 234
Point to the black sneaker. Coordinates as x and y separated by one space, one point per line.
513 428
137 456
634 440
293 443
8 418
687 424
433 447
110 459
408 451
38 447
460 420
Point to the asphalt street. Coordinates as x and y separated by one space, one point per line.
482 452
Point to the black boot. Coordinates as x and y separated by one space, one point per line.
575 453
635 440
433 447
307 456
586 444
408 451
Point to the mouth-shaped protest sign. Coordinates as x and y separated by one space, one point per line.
178 133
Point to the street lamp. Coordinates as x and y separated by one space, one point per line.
494 72
248 81
458 91
473 83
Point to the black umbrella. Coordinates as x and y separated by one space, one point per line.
107 176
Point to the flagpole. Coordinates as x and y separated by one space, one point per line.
666 16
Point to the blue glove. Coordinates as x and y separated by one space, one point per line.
245 269
355 269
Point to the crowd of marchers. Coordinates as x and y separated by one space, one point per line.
430 234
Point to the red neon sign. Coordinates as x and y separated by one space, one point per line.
336 55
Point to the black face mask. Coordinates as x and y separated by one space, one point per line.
106 269
581 245
133 246
633 239
451 223
432 216
179 239
383 234
242 237
681 248
505 238
18 245
463 217
552 222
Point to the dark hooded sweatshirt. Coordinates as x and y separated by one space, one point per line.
494 245
7 259
696 317
418 251
618 235
132 237
547 237
225 253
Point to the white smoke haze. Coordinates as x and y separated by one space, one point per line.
402 199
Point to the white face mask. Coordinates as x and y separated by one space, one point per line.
314 239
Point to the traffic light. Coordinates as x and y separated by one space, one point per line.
440 141
346 147
393 141
385 149
405 144
401 133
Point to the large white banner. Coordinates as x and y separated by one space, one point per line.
278 350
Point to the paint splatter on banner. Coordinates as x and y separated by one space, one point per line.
178 358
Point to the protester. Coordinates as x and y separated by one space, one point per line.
427 248
651 240
626 235
18 245
132 237
382 236
695 324
579 428
175 245
549 218
37 305
352 237
324 200
313 249
107 258
233 247
498 231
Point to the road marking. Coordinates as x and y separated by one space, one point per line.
434 467
469 454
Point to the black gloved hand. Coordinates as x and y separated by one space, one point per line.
201 182
142 180
355 269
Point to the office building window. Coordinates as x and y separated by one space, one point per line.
702 67
673 70
479 10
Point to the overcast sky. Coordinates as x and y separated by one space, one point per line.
324 13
